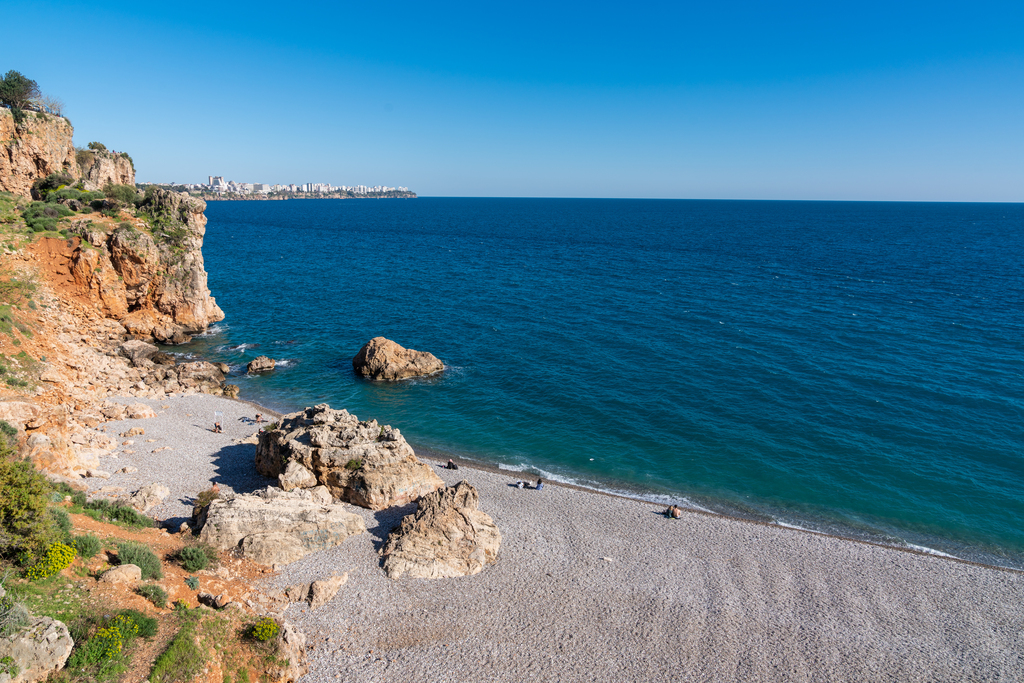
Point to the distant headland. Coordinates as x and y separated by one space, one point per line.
219 189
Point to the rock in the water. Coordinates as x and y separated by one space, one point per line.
161 358
359 462
125 573
382 358
261 364
295 476
446 536
276 527
37 650
148 497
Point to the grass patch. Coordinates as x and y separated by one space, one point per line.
103 644
155 594
122 515
183 660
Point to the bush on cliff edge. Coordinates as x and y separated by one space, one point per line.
27 529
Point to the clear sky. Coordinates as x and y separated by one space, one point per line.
728 99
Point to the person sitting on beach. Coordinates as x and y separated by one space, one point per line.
451 465
674 512
540 484
216 428
259 418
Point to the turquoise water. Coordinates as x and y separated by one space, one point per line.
847 367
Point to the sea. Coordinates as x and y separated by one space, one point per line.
851 368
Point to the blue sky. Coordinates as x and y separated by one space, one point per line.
887 101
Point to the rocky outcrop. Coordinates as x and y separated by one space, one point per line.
291 663
275 527
38 146
100 168
361 462
295 476
149 497
260 364
383 359
447 536
38 650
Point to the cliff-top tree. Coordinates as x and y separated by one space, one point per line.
97 146
16 91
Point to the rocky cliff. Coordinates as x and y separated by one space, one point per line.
101 168
38 146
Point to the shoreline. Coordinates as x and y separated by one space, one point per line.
438 457
593 586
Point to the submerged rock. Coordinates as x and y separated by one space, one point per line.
359 462
383 359
447 536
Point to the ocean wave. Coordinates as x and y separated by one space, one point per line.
211 331
930 551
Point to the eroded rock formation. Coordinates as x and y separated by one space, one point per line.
361 462
274 527
447 536
383 359
100 168
260 364
38 146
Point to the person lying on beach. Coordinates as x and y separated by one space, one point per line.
540 484
451 465
520 484
216 428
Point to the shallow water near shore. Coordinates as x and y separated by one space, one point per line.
853 368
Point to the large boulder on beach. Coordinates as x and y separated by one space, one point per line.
276 527
383 359
447 536
361 462
149 497
38 650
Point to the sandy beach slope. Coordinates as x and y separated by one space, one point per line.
590 587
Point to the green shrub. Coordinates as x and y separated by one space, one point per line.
131 552
102 657
62 520
58 556
26 528
116 513
42 216
353 464
155 594
123 193
195 557
87 546
97 146
264 629
192 582
51 183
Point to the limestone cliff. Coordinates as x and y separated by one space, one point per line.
147 274
101 168
38 146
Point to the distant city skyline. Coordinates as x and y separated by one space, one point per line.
742 100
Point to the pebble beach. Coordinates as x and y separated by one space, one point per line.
592 587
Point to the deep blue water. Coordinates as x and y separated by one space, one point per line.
847 367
